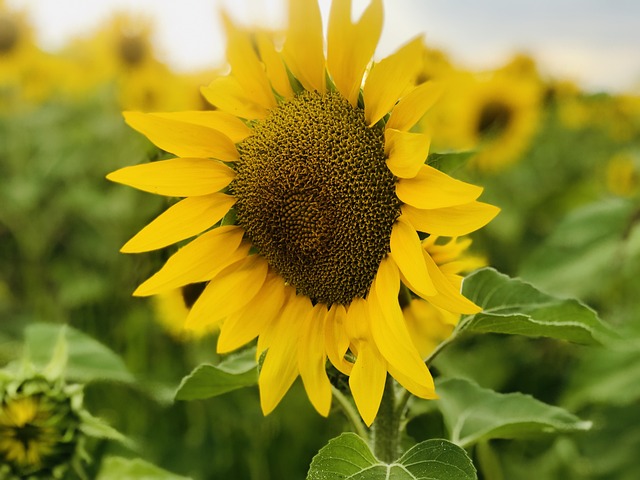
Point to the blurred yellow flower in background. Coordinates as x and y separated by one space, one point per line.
496 114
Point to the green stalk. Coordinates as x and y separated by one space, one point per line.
386 427
352 415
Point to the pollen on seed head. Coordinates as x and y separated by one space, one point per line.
315 196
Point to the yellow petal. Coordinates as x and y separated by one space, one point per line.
406 251
245 325
426 389
431 188
449 297
178 177
367 382
228 292
280 367
227 94
406 152
336 339
198 261
312 360
182 220
246 66
451 221
230 125
181 138
389 78
274 65
412 107
351 46
303 48
369 371
388 327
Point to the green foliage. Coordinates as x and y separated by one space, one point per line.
208 381
575 249
118 468
349 457
87 359
473 414
515 307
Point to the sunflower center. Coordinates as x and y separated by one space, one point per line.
132 49
315 196
9 34
494 118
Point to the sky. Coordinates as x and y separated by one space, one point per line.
593 42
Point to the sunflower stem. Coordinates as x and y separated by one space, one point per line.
386 427
351 414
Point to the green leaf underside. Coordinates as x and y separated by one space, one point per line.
118 468
208 381
88 360
512 306
472 414
348 457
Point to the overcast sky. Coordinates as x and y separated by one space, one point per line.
595 42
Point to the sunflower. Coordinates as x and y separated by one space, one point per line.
171 309
307 191
496 113
39 428
429 324
26 73
623 175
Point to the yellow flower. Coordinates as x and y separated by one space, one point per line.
172 307
495 114
623 175
428 324
316 190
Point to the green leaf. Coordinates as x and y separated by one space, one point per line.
349 457
97 428
584 250
208 381
88 359
472 414
608 376
515 307
118 468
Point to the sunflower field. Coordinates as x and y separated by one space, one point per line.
331 265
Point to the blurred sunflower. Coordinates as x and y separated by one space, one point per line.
25 72
497 115
40 429
316 190
121 51
172 307
623 175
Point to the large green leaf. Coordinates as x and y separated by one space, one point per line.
512 306
584 251
472 413
212 380
87 360
608 376
118 468
348 457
